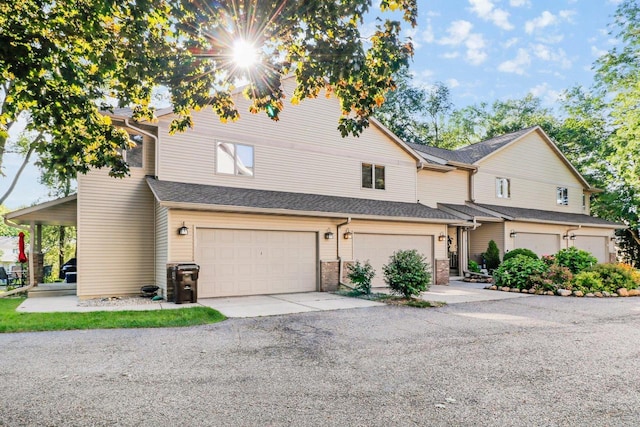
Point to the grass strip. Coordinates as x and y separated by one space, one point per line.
13 321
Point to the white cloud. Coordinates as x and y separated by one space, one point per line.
486 10
459 33
516 65
519 3
452 83
546 93
597 52
451 55
545 53
509 43
546 19
567 15
422 78
427 35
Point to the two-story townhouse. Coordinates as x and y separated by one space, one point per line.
519 190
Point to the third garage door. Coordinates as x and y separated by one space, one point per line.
596 245
253 262
377 248
541 244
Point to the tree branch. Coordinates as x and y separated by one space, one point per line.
634 236
32 148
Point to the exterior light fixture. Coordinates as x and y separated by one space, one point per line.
328 235
348 234
184 230
612 238
572 237
513 234
442 237
565 236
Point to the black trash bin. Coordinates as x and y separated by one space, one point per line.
182 283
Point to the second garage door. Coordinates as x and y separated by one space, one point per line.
254 262
377 248
596 245
541 244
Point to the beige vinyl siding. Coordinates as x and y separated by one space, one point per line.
437 187
303 153
115 234
61 214
480 237
535 172
162 245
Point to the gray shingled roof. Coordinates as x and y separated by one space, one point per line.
474 152
540 215
177 192
468 211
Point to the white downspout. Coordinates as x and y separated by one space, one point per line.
571 229
340 262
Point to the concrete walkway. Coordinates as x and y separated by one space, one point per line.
271 305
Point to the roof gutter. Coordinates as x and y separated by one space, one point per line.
156 161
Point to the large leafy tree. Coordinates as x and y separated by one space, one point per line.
60 61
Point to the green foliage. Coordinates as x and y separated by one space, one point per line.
5 230
407 273
519 251
492 256
588 281
12 321
615 276
473 266
575 259
360 275
518 271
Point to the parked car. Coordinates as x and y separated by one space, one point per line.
68 267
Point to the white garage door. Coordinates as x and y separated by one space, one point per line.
377 248
541 244
254 262
597 245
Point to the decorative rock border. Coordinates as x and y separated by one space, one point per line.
622 292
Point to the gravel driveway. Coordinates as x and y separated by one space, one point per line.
543 361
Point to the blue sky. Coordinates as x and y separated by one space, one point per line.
500 49
482 49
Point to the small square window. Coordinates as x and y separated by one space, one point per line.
234 159
373 176
503 188
562 196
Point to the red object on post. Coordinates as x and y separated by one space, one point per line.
22 258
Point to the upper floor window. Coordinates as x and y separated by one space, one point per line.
133 156
373 176
584 202
234 159
503 188
562 196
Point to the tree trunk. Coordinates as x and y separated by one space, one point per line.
61 237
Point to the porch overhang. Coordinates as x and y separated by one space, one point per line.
63 211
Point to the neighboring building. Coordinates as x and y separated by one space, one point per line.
271 207
8 252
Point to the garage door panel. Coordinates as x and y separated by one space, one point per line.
250 262
377 248
596 245
541 244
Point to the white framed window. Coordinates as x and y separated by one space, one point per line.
133 156
584 202
234 159
562 196
373 176
503 188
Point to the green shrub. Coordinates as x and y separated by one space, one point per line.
473 266
575 259
519 251
360 275
492 256
407 273
587 281
518 271
615 276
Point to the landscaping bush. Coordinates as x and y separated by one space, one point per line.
556 277
407 273
518 271
614 276
519 251
474 267
587 281
360 275
575 259
492 256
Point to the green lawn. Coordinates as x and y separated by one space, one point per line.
12 321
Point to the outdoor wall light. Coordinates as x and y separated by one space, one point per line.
348 234
572 237
328 235
184 230
513 234
612 238
565 236
442 237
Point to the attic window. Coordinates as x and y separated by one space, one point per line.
562 196
503 188
373 176
133 156
234 159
